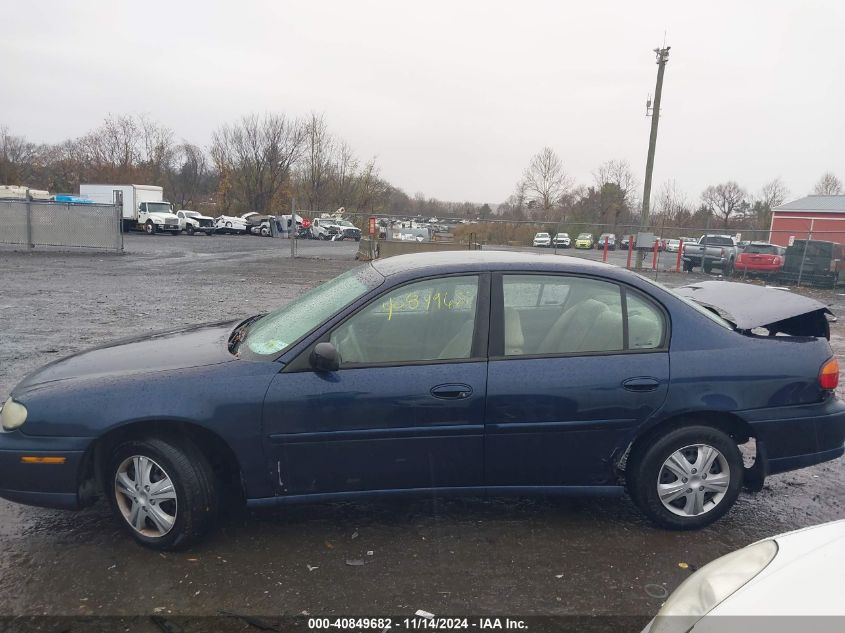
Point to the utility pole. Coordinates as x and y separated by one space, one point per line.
662 58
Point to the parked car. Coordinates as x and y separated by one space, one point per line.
194 222
711 251
671 245
258 223
793 575
584 240
814 262
542 240
348 231
562 240
535 374
230 224
611 241
324 228
759 258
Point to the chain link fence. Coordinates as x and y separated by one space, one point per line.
61 224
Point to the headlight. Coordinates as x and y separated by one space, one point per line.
12 415
712 584
158 221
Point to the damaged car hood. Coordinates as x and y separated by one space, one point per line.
748 307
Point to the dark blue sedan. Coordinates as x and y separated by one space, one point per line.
464 372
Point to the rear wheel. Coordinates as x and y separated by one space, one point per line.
708 267
687 478
162 491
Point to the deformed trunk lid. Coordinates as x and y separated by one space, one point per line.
748 306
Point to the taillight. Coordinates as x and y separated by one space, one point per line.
829 374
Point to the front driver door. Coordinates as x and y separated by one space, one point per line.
406 408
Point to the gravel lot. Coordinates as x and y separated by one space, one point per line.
470 556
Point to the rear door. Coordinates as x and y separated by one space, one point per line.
575 363
406 408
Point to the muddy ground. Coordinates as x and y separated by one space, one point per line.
499 556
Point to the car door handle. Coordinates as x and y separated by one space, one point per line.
641 384
456 391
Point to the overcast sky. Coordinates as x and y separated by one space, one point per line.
455 97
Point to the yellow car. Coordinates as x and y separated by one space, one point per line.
585 240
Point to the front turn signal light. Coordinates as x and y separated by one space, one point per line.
829 374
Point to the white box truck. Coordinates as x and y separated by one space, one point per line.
144 206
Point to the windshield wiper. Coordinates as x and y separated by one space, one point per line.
239 333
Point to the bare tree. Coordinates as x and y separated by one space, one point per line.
545 179
616 185
369 188
771 195
254 158
190 176
724 200
672 204
344 173
157 148
17 159
317 160
828 185
112 151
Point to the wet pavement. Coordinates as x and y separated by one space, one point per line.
515 556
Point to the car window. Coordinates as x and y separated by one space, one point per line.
764 249
715 240
646 323
566 315
424 321
556 314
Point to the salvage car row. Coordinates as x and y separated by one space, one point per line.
191 222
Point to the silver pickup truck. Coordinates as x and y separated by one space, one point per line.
711 251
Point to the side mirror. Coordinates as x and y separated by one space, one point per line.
324 357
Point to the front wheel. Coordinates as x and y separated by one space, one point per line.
190 229
162 491
149 228
687 478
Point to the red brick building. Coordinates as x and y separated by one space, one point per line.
821 217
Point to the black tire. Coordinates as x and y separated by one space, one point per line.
707 267
646 462
688 266
209 233
190 229
149 228
193 481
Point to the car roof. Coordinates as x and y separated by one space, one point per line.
458 261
